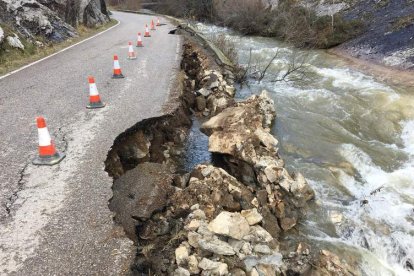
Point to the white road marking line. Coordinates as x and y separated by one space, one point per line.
58 52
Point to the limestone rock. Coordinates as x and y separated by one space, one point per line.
31 18
288 223
216 246
229 224
252 216
258 234
193 225
262 249
15 42
230 90
330 264
199 214
181 272
193 265
237 272
336 217
1 34
201 103
215 268
193 239
301 190
181 255
204 92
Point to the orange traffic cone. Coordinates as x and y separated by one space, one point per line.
139 41
158 22
47 151
131 53
147 33
117 69
152 25
94 99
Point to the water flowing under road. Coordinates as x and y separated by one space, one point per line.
353 139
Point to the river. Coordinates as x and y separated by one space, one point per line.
352 137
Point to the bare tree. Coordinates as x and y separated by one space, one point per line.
297 69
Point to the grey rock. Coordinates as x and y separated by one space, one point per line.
181 272
213 268
204 92
1 34
193 239
201 103
258 234
15 42
262 249
193 265
216 246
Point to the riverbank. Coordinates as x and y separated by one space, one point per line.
381 72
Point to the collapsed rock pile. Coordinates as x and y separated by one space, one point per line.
213 90
224 230
241 134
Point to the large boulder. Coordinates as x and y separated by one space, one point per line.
15 42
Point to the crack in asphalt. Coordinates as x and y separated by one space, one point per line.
64 139
20 184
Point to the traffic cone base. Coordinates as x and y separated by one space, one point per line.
49 160
118 76
147 35
95 105
132 57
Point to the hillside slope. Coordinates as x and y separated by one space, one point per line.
388 35
34 21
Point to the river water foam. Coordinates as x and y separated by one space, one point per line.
353 138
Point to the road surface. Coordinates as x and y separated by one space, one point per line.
55 220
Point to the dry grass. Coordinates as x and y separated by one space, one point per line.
403 22
11 59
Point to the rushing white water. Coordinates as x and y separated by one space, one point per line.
353 138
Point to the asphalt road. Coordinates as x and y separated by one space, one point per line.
55 220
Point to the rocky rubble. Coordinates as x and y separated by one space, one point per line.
214 229
213 90
241 135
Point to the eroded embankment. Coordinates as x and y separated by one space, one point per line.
234 220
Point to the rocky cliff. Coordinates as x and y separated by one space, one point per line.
48 20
